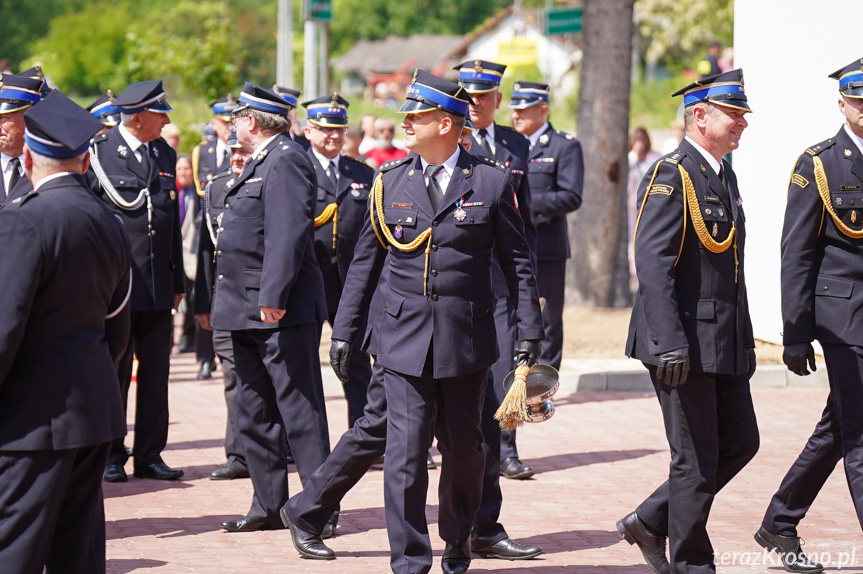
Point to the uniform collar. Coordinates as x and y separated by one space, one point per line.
53 176
134 143
489 130
263 145
707 155
448 165
854 137
534 137
325 161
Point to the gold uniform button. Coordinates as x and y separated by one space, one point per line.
221 277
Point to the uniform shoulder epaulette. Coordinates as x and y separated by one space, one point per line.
816 149
506 129
492 162
100 137
564 134
388 165
19 201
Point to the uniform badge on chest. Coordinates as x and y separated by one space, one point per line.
398 232
460 213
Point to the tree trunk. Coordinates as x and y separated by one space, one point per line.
597 274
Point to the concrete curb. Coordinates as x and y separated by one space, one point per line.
630 376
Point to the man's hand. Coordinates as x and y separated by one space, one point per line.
177 298
750 356
797 355
340 357
527 352
673 366
270 315
204 320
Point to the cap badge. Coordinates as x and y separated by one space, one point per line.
477 66
413 81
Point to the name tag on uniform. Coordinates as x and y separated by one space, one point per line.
660 190
711 199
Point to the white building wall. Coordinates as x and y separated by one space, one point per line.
786 50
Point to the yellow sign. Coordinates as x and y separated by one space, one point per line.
517 50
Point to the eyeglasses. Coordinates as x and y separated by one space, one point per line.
329 130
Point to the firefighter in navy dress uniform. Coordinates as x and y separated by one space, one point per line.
205 278
432 233
506 146
690 324
555 171
822 240
342 206
270 295
17 95
132 170
64 321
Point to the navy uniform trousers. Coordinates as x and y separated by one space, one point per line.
224 349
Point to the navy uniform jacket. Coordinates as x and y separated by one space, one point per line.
22 188
511 149
207 162
455 316
157 259
214 205
556 175
821 266
267 243
65 266
300 139
687 295
352 197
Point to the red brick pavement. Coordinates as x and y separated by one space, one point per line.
595 459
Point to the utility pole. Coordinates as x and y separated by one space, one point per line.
285 45
310 60
324 53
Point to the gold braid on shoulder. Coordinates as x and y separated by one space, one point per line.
377 209
824 192
701 230
196 169
331 212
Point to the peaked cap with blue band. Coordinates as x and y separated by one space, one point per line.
850 79
429 92
725 89
18 93
288 94
104 109
223 107
59 127
526 94
328 111
143 96
257 98
36 73
478 76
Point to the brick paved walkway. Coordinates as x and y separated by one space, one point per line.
595 459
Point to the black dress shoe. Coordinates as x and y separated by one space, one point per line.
228 473
158 471
507 549
329 531
455 559
789 550
206 370
115 473
512 468
250 524
652 546
430 463
309 545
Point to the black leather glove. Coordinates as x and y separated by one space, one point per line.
797 355
527 352
750 356
673 366
340 357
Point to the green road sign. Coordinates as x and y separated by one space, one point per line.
564 20
320 9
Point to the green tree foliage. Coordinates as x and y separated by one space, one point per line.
679 31
24 21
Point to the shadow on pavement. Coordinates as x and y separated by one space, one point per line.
140 486
531 566
124 565
164 527
193 444
577 398
574 460
572 540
